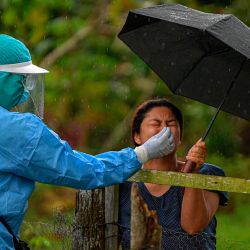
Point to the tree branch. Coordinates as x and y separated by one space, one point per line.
66 47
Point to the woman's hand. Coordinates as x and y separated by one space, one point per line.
197 153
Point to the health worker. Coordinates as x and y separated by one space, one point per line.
31 152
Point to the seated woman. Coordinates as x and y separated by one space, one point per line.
187 215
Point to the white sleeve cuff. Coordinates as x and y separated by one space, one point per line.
141 153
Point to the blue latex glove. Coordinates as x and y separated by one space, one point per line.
157 146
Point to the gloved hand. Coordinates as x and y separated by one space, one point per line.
157 146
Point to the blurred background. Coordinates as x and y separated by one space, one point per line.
94 84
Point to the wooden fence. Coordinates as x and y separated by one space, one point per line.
97 210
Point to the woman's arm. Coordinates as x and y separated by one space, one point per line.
198 206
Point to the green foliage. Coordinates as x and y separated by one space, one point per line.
55 233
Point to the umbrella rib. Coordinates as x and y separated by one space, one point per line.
198 61
190 71
123 31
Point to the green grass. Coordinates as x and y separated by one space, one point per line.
233 229
55 233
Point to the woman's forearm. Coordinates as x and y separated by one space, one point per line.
198 208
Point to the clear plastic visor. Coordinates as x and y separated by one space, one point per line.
34 90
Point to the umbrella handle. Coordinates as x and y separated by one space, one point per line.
188 167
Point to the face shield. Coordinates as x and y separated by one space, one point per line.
32 99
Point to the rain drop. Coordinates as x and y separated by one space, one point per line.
149 20
163 45
239 105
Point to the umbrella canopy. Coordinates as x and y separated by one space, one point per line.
199 55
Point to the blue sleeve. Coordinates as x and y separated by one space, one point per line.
209 169
33 151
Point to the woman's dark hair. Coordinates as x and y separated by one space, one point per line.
145 107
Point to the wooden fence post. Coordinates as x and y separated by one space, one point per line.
111 217
146 233
88 228
96 218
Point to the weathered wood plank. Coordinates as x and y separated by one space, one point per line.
209 182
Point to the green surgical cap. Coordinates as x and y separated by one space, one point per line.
12 51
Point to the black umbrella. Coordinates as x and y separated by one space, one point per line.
199 55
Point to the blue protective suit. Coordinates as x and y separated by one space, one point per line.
30 152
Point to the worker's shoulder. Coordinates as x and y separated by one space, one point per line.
15 122
17 116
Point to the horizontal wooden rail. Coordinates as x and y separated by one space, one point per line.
209 182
